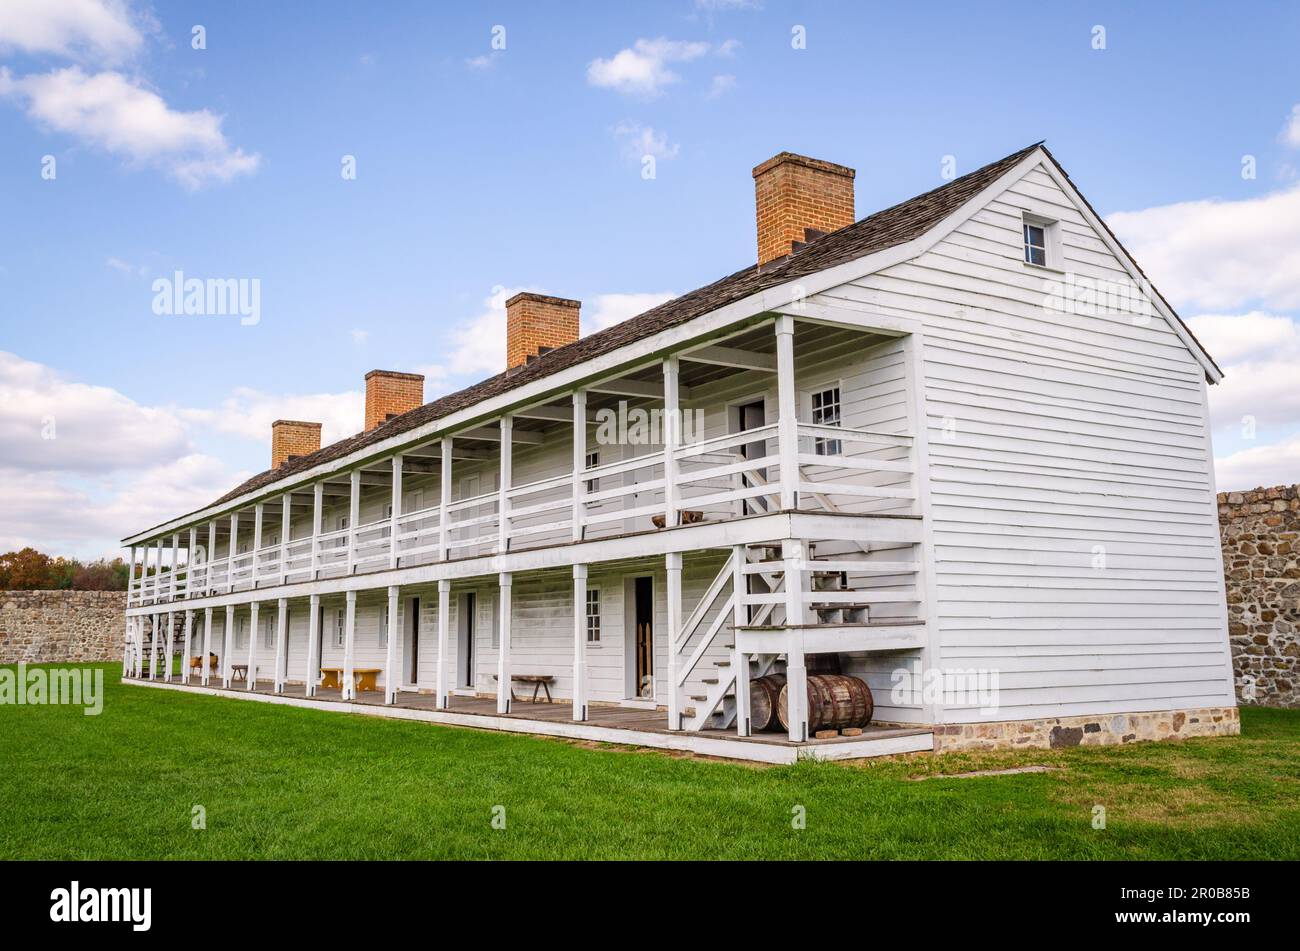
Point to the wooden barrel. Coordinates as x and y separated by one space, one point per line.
834 702
763 694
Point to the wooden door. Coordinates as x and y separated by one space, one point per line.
644 641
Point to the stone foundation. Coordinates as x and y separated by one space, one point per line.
1094 730
61 627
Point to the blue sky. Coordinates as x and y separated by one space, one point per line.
482 170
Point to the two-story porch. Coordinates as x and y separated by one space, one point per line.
741 501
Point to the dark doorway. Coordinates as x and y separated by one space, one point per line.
643 642
468 613
752 416
413 642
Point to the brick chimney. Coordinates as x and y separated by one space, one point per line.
536 323
291 437
794 194
389 394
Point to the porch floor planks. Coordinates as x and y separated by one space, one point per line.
632 719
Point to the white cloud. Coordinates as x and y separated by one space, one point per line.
714 6
639 141
78 29
729 47
360 336
481 62
1220 255
1276 464
118 115
248 413
611 309
721 85
126 267
1291 131
643 69
94 429
1259 354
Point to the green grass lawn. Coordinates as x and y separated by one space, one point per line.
286 783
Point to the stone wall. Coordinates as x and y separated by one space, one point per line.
1260 530
1106 729
61 626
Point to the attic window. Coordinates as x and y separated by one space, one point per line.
1041 242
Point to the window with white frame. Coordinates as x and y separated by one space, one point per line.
383 626
593 460
826 412
241 632
340 626
593 615
1041 239
268 631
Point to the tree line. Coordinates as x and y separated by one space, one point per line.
32 570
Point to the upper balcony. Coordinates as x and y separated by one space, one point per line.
787 415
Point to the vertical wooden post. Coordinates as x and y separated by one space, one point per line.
444 486
171 575
253 611
444 624
281 633
257 541
153 644
227 645
673 564
192 569
579 642
504 584
204 670
286 528
396 514
234 547
126 643
579 462
672 436
312 678
139 646
130 579
208 558
144 574
788 412
503 501
796 672
185 657
317 505
354 515
392 664
349 646
739 658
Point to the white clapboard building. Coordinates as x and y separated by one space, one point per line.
958 448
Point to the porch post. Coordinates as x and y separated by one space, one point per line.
354 513
444 624
787 407
317 503
257 541
392 675
396 513
796 673
139 646
739 658
227 644
281 632
672 435
153 645
286 526
204 669
579 642
503 502
673 564
313 646
144 576
230 558
171 575
126 646
130 578
212 553
253 611
579 462
349 646
444 485
191 585
185 657
504 584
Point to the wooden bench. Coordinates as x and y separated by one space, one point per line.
239 672
364 678
539 682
